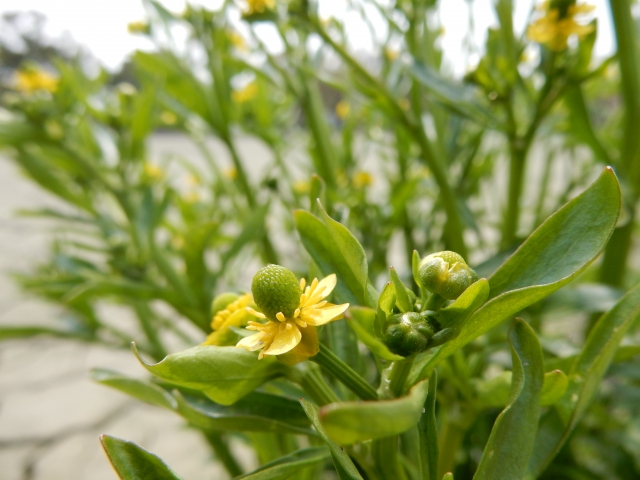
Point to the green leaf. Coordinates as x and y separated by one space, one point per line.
386 302
507 452
362 320
565 243
415 264
584 379
132 462
344 466
352 422
289 465
335 250
140 389
256 412
428 433
403 301
495 392
224 374
558 251
11 333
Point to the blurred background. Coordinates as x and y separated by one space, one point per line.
51 413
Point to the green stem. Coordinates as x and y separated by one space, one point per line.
516 174
399 374
615 262
434 302
222 452
385 453
417 129
428 434
343 372
144 314
312 382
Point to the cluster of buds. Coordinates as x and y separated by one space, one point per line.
443 276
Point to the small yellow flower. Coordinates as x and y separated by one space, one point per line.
237 40
193 180
391 53
362 179
231 173
138 27
168 118
295 339
192 197
555 27
259 6
301 186
177 242
343 109
153 172
245 94
233 315
404 104
32 79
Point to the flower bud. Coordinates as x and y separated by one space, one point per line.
409 333
446 273
276 289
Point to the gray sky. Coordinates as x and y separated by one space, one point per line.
102 25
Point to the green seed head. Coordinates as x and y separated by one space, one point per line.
276 289
446 273
409 333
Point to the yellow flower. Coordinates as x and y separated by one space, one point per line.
138 27
237 40
192 197
245 94
33 79
342 109
362 179
153 172
301 186
391 54
193 180
555 27
168 118
233 315
295 339
231 173
259 6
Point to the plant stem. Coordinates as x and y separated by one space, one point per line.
343 372
615 262
222 452
399 374
385 453
313 383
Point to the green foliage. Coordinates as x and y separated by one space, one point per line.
132 462
358 168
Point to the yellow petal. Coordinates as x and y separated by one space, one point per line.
328 283
285 340
308 347
252 342
324 315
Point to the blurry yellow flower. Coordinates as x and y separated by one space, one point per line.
391 54
177 242
233 315
556 26
259 6
192 197
301 186
342 109
245 94
295 339
168 118
362 179
138 27
53 129
153 172
237 40
404 104
32 79
231 173
193 180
